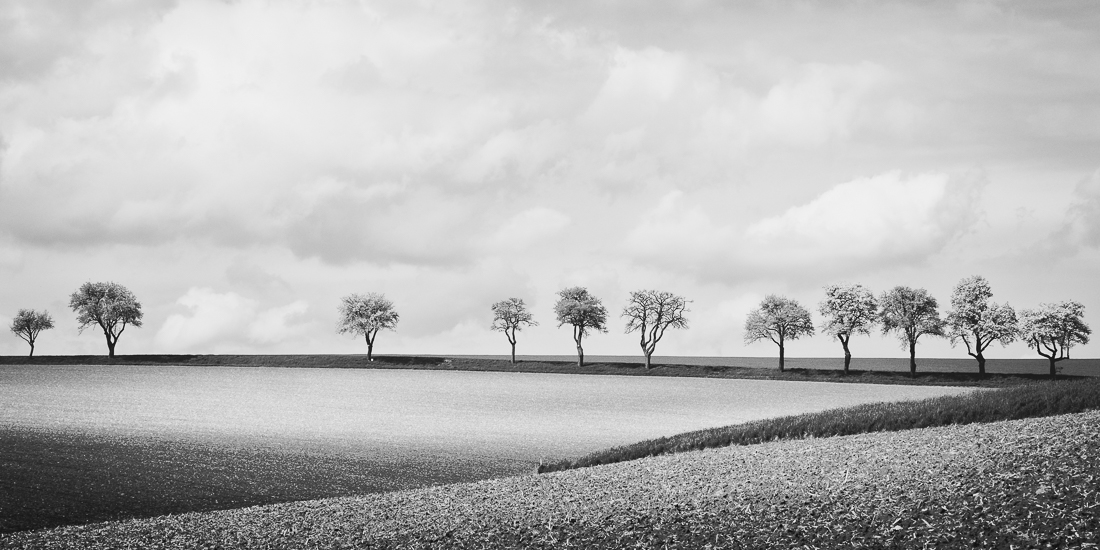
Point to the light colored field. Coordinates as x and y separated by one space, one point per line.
378 412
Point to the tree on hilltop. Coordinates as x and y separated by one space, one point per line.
778 319
365 315
509 316
583 311
110 306
28 323
978 322
848 310
650 313
910 313
1053 329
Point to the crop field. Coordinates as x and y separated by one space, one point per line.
88 443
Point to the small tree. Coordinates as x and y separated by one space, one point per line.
651 312
976 321
583 311
28 323
509 316
366 315
1053 329
110 306
848 310
778 319
910 314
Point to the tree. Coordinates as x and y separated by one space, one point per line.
577 307
911 314
28 323
1053 329
848 310
366 315
778 319
976 321
109 305
651 312
510 316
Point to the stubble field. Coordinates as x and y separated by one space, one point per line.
89 443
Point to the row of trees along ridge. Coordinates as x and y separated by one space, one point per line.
1051 330
974 319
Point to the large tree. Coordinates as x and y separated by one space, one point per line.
510 316
910 314
848 310
778 319
365 315
1053 329
110 306
978 322
583 311
28 323
650 313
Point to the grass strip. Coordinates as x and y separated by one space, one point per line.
1013 403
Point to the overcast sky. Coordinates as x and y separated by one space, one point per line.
242 165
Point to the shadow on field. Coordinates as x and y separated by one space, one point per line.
51 479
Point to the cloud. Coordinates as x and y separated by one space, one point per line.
223 318
1082 226
889 219
883 219
529 226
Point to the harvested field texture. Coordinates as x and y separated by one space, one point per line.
1041 399
1023 483
105 442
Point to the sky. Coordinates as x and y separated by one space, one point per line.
242 165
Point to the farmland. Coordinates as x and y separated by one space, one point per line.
1024 483
87 443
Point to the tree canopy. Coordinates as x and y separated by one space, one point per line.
365 315
110 306
584 312
650 313
848 310
1053 329
910 313
976 321
778 319
28 323
510 316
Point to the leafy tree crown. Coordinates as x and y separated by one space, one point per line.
975 320
28 323
109 305
579 308
848 310
778 319
910 313
364 314
1055 328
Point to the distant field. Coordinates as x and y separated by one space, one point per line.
83 443
1070 367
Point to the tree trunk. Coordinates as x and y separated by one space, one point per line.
913 359
370 351
1053 371
780 357
513 353
981 363
647 361
577 337
847 355
32 348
